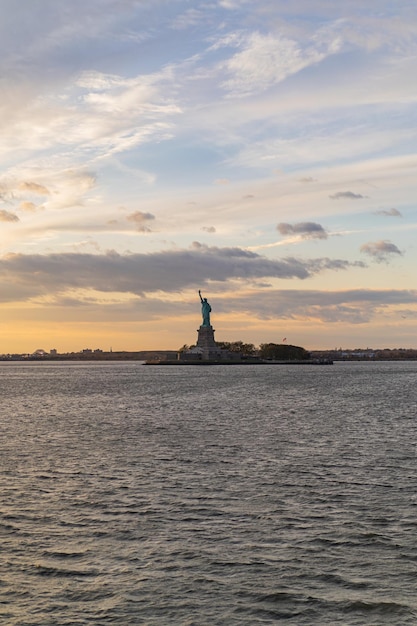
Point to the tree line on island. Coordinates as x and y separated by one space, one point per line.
269 351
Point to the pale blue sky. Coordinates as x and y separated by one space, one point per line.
264 152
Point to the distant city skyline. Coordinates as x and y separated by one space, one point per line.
264 153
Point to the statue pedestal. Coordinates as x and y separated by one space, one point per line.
207 344
206 337
206 350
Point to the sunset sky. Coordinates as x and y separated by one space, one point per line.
263 151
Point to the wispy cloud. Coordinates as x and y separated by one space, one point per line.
305 230
262 61
98 116
28 206
63 188
389 212
380 250
348 195
351 306
34 188
141 219
7 216
191 17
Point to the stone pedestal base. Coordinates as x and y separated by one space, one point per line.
206 337
207 344
206 349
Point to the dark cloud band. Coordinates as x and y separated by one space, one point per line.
23 276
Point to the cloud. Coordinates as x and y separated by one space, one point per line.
389 212
98 115
6 216
231 4
23 276
349 195
306 230
191 17
34 188
65 188
380 250
209 229
354 306
140 219
28 206
263 60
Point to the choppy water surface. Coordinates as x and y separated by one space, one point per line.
208 495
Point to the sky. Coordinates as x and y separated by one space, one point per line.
263 151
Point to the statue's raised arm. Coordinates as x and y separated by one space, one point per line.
205 310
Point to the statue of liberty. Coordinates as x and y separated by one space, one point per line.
205 310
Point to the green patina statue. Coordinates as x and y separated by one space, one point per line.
205 310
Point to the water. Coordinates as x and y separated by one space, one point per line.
208 495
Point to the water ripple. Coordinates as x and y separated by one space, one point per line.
233 496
